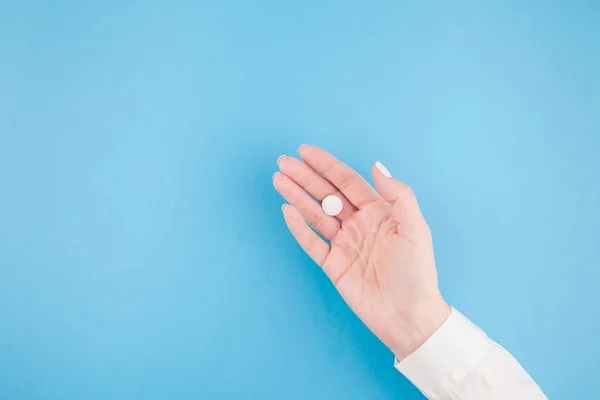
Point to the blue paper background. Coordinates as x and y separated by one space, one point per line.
142 250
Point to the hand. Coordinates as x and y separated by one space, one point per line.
380 256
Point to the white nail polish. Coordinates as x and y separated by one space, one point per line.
383 169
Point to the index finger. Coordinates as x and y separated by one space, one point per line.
356 189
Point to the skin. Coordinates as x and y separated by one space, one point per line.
380 253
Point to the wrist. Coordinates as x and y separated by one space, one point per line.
419 323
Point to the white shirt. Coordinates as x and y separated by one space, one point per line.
460 362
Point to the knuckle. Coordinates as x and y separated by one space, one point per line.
427 230
347 181
407 190
328 168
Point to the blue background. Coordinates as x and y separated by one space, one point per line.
142 250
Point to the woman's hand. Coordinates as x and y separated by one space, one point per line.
381 256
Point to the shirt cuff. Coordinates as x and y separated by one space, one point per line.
447 357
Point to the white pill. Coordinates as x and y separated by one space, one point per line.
332 205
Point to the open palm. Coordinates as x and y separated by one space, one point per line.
379 256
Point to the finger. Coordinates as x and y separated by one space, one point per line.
349 182
317 186
404 203
310 242
310 210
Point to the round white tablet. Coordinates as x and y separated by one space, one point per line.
332 205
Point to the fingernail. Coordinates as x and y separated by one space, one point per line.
276 174
383 169
302 145
280 158
283 207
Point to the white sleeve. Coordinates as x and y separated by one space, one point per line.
459 362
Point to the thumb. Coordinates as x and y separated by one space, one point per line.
405 207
